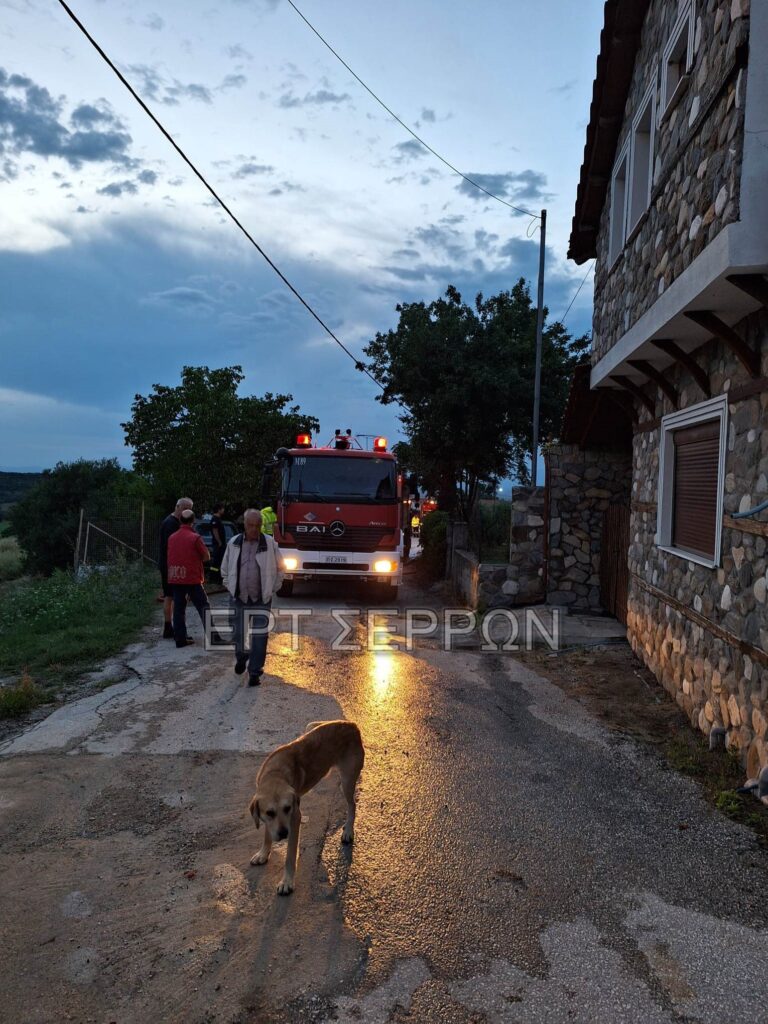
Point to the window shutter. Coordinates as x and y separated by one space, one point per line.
697 457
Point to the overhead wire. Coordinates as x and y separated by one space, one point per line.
358 364
590 268
400 121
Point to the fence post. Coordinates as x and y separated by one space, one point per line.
79 537
141 541
85 548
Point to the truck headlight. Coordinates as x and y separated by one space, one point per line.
291 564
383 565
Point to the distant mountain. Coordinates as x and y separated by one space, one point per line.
13 487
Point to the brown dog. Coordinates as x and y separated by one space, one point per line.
291 771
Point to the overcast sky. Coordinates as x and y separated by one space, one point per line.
116 268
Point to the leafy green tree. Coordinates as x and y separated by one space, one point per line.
203 439
464 376
46 520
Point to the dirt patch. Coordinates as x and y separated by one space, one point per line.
627 699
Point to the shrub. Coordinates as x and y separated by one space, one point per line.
11 559
20 697
433 537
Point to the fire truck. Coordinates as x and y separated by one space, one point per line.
340 513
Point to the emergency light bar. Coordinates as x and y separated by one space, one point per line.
380 444
303 440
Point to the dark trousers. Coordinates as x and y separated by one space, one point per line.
198 597
251 616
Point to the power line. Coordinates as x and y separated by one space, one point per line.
584 282
426 145
214 193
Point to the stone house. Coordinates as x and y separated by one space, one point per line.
667 425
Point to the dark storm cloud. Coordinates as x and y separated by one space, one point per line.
182 298
408 150
32 121
238 52
115 189
524 186
564 89
170 92
250 169
233 82
444 237
318 98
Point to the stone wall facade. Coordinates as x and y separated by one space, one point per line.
581 485
704 632
697 166
505 584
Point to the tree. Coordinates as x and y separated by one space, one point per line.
46 520
464 376
201 438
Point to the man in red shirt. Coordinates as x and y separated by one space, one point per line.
187 555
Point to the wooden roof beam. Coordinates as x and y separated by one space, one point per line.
634 389
657 377
671 348
754 285
747 356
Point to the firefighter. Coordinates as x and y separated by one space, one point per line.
268 519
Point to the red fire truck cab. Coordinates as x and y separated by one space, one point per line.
339 513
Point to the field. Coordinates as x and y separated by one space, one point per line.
53 630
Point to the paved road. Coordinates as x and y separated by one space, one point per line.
514 862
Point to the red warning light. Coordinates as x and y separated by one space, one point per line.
303 440
380 444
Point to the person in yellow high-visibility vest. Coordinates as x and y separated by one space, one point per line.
268 520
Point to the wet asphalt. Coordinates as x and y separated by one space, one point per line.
514 861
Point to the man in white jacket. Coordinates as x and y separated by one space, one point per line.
251 572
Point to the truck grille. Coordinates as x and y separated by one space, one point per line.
354 538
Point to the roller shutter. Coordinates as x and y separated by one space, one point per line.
694 517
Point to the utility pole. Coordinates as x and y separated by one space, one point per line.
539 328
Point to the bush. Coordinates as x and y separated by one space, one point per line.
20 698
57 628
11 559
433 536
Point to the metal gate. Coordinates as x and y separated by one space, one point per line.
614 561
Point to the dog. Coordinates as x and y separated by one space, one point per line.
292 770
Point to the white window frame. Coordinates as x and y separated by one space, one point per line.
648 100
704 412
616 247
685 23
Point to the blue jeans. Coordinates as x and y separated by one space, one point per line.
251 617
199 599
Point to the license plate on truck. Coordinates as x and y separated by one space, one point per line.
336 559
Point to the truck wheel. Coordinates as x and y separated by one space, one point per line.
286 588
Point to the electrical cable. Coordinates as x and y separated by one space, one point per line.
583 282
358 364
392 114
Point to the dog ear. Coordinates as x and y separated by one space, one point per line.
254 809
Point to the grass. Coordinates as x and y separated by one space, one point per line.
720 774
11 558
21 697
53 630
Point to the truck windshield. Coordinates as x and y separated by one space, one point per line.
335 478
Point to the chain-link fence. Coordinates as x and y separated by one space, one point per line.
119 528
